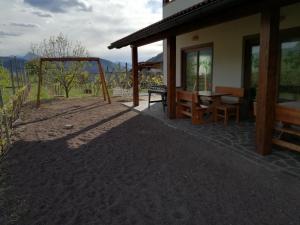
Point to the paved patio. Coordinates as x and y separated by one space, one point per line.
239 138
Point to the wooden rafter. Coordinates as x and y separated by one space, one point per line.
150 65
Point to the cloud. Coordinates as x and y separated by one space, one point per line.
60 6
109 21
25 25
41 14
3 34
154 5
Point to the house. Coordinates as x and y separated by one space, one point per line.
241 43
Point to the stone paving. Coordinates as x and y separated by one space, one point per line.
239 138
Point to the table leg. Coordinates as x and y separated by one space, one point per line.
149 98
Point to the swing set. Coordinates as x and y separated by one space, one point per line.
72 59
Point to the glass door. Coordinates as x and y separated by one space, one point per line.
289 81
205 69
251 73
289 76
197 69
191 71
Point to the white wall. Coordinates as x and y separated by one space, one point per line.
178 5
228 45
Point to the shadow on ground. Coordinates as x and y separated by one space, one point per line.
138 171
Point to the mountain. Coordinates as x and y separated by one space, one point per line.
6 62
157 58
29 56
92 68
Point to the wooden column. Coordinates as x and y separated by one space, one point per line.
38 98
171 73
135 75
103 82
268 77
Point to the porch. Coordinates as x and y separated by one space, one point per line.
236 137
223 26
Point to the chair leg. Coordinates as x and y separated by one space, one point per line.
237 114
163 100
225 117
215 115
178 112
197 118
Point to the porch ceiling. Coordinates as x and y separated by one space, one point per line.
206 13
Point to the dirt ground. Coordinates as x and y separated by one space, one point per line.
115 166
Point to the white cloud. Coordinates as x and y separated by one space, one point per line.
108 21
24 25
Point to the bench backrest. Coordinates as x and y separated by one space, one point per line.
288 115
235 92
187 96
284 114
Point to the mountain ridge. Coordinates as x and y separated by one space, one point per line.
107 65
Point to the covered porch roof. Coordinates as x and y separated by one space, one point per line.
203 14
208 13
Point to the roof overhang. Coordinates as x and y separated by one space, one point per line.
206 13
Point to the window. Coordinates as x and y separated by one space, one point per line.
289 82
197 68
289 76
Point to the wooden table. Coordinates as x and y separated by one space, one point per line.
215 99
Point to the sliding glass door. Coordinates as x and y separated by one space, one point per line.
289 82
197 68
289 76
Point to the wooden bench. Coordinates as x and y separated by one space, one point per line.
288 117
230 104
188 105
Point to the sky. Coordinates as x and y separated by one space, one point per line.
95 23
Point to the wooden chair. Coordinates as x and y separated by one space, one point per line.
230 105
188 105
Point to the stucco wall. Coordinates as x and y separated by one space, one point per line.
178 5
228 45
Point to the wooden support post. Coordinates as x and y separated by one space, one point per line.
17 73
268 77
12 77
171 73
101 80
104 86
38 99
1 99
23 75
135 75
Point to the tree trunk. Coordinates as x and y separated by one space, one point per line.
67 92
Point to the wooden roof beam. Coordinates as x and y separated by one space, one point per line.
65 59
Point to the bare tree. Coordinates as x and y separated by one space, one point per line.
65 73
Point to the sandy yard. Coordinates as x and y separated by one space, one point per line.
116 166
